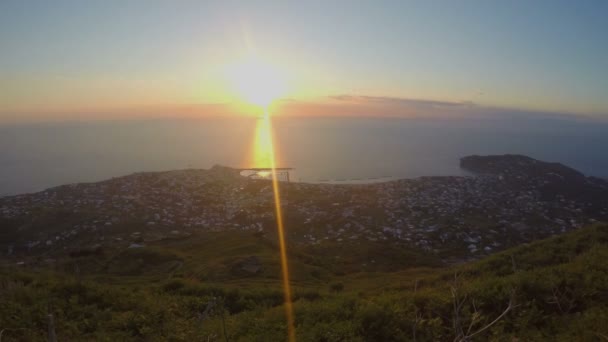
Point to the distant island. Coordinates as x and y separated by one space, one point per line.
517 164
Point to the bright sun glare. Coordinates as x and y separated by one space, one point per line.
259 83
256 81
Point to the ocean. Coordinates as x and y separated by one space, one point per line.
321 149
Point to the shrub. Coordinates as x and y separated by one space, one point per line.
336 287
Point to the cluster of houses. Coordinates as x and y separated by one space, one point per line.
473 215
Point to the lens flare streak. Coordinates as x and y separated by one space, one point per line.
265 148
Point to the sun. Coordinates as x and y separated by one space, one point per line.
258 83
255 81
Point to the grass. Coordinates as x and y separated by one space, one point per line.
159 293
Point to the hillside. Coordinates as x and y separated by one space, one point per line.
556 287
445 219
554 180
181 255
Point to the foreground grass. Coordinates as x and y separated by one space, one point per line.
555 289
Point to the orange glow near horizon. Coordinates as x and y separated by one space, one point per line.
263 150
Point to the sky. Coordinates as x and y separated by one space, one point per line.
66 59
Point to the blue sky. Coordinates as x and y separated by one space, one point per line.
535 55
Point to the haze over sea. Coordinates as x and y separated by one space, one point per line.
37 156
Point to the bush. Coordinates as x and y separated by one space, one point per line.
336 287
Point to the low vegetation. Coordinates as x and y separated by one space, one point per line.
554 289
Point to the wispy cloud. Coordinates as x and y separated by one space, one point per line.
406 107
417 103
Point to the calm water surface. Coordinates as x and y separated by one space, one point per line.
35 157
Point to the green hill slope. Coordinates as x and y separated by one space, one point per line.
555 289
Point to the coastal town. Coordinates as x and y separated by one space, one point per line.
504 202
